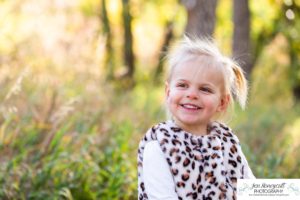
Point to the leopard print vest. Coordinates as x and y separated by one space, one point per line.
203 167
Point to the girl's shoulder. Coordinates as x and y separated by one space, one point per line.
163 127
151 133
224 132
162 130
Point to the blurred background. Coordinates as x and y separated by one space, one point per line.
82 80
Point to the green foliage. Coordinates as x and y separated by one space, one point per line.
116 163
265 140
87 173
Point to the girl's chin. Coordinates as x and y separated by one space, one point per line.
189 121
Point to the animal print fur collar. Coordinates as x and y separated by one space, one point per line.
203 167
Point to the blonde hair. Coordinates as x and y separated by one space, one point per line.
192 48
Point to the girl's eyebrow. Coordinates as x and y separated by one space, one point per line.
202 84
182 80
207 84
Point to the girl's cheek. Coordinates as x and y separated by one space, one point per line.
168 100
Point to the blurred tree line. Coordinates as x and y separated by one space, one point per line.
247 45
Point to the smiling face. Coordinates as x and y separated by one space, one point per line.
195 94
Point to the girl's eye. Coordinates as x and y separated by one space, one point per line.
182 85
205 89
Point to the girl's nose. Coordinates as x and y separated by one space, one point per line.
192 94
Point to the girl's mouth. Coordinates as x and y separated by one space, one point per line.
190 106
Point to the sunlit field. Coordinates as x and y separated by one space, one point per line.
66 132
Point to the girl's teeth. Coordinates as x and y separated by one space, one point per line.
190 106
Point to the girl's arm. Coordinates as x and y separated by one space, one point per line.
247 170
158 179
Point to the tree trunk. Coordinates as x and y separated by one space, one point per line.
241 35
294 44
294 67
201 17
128 39
109 57
169 34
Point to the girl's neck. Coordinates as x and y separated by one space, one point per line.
198 130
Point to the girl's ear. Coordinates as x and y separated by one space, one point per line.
167 89
223 103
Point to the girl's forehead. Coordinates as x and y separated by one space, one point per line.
198 69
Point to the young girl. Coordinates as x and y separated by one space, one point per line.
193 156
